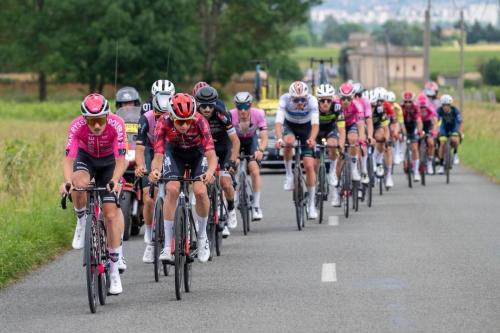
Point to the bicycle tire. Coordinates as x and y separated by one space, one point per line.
370 185
103 279
346 183
297 196
243 203
179 258
447 160
90 262
212 220
220 228
157 237
381 185
408 164
188 244
320 198
423 159
355 197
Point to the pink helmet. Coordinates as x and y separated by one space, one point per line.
422 100
198 86
94 105
346 89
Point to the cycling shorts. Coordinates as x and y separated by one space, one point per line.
353 128
445 132
302 132
248 146
101 169
223 152
177 160
428 126
411 131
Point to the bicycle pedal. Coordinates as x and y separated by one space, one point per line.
189 259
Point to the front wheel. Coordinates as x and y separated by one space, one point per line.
243 204
179 254
90 260
126 206
158 238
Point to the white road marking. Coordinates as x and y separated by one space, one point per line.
333 220
329 273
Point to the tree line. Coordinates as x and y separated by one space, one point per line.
183 40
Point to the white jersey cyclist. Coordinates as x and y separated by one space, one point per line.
288 110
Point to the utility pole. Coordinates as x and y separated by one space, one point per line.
462 42
427 40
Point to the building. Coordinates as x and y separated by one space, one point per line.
377 65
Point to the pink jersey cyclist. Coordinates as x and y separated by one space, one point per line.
351 115
111 142
364 107
257 122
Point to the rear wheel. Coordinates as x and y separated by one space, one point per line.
158 238
355 197
346 187
408 165
447 160
188 244
369 186
212 221
320 197
126 207
243 203
423 159
103 282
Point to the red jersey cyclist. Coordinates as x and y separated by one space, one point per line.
96 149
183 139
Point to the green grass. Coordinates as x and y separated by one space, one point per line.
45 111
446 60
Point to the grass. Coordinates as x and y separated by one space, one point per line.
44 111
33 229
302 55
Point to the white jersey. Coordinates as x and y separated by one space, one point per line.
289 111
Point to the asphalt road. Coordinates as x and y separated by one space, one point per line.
420 260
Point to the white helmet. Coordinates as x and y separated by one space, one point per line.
243 98
380 94
391 96
446 99
298 89
325 90
163 86
162 102
366 94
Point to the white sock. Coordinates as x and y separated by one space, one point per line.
288 168
389 170
333 166
311 191
354 161
113 263
148 233
364 163
202 227
80 216
376 155
256 199
380 158
417 164
168 225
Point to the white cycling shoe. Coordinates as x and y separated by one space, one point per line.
257 214
388 181
122 264
440 170
232 222
365 179
225 232
79 237
115 287
456 160
148 257
166 254
416 177
288 185
430 170
313 214
203 250
380 170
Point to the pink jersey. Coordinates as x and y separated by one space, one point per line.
351 114
364 107
429 112
257 121
112 141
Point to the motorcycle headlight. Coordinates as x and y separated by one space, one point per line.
130 156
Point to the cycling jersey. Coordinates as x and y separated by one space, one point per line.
147 106
389 111
112 141
410 114
257 122
379 116
329 121
428 113
220 125
146 131
198 135
287 110
449 121
364 107
398 112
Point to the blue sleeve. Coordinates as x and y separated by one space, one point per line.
142 132
458 116
220 106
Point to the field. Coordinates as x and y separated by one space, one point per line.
302 55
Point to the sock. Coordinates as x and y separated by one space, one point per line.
256 199
380 158
168 225
354 161
230 205
416 166
389 170
376 156
328 165
120 248
113 262
148 233
364 164
202 227
333 167
311 191
80 214
288 168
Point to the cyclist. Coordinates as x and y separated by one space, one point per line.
450 125
247 121
144 156
366 127
159 85
429 119
96 149
183 139
331 128
298 116
227 145
413 126
396 123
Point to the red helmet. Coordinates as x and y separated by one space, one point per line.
408 96
198 86
94 105
346 90
183 106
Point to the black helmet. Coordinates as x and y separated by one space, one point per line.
127 94
206 95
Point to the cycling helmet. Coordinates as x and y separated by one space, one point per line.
431 85
422 100
207 95
346 90
366 94
446 100
380 94
298 89
325 90
198 86
127 94
164 86
183 106
94 105
408 96
161 102
429 92
391 96
243 97
358 88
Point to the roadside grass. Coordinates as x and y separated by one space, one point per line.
33 228
45 111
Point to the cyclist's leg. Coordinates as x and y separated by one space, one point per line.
83 171
148 202
388 152
288 140
379 146
198 164
353 139
254 170
223 153
332 156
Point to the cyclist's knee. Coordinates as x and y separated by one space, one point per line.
173 189
199 190
81 179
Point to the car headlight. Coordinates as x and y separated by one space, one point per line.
130 156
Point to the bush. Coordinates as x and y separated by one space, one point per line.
490 71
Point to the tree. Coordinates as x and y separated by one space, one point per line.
335 32
491 71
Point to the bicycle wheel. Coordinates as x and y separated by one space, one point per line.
346 186
355 197
369 187
188 244
243 203
158 241
179 258
103 268
212 220
90 260
447 160
423 159
381 185
320 197
298 195
408 165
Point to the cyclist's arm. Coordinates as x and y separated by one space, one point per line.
140 143
369 124
263 140
68 169
235 146
212 161
120 168
280 119
157 162
341 136
420 126
314 121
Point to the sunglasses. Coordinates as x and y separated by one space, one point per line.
345 99
243 107
299 100
207 106
408 102
325 100
181 122
93 121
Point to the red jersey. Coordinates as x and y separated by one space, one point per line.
411 113
198 135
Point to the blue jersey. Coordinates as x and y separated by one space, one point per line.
450 121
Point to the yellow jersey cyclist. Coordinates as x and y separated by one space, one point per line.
96 149
251 128
298 116
450 122
331 128
144 156
226 142
183 139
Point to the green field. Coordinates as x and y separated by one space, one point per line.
303 54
